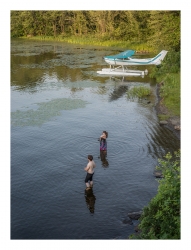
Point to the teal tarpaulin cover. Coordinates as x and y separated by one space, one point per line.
122 55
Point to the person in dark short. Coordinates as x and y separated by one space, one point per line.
90 172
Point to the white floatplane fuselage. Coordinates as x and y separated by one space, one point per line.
119 63
133 61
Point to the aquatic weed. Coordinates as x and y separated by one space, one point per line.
139 92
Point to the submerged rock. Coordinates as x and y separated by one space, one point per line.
177 127
137 230
127 221
158 174
163 122
135 215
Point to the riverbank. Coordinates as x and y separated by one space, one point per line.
172 122
97 41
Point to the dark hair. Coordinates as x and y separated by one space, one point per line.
90 157
105 132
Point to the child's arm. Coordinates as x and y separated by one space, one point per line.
87 167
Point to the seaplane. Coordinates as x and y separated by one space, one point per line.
119 63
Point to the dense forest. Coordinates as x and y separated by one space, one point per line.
159 29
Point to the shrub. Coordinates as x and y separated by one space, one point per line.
161 218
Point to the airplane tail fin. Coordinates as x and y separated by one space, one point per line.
159 58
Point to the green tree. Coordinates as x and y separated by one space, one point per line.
126 26
142 18
79 24
165 29
99 22
16 24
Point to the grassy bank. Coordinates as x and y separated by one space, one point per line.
170 92
97 41
168 75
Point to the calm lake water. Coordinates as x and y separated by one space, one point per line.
59 108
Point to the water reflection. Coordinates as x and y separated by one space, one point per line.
90 199
103 157
160 140
129 79
63 63
118 92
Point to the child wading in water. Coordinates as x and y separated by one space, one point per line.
90 172
103 142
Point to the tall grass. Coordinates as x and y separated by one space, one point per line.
97 41
138 92
170 92
169 73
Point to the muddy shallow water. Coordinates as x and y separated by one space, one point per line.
59 108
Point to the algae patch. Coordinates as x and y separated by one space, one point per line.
45 112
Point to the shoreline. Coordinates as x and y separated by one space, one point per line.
173 123
84 40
